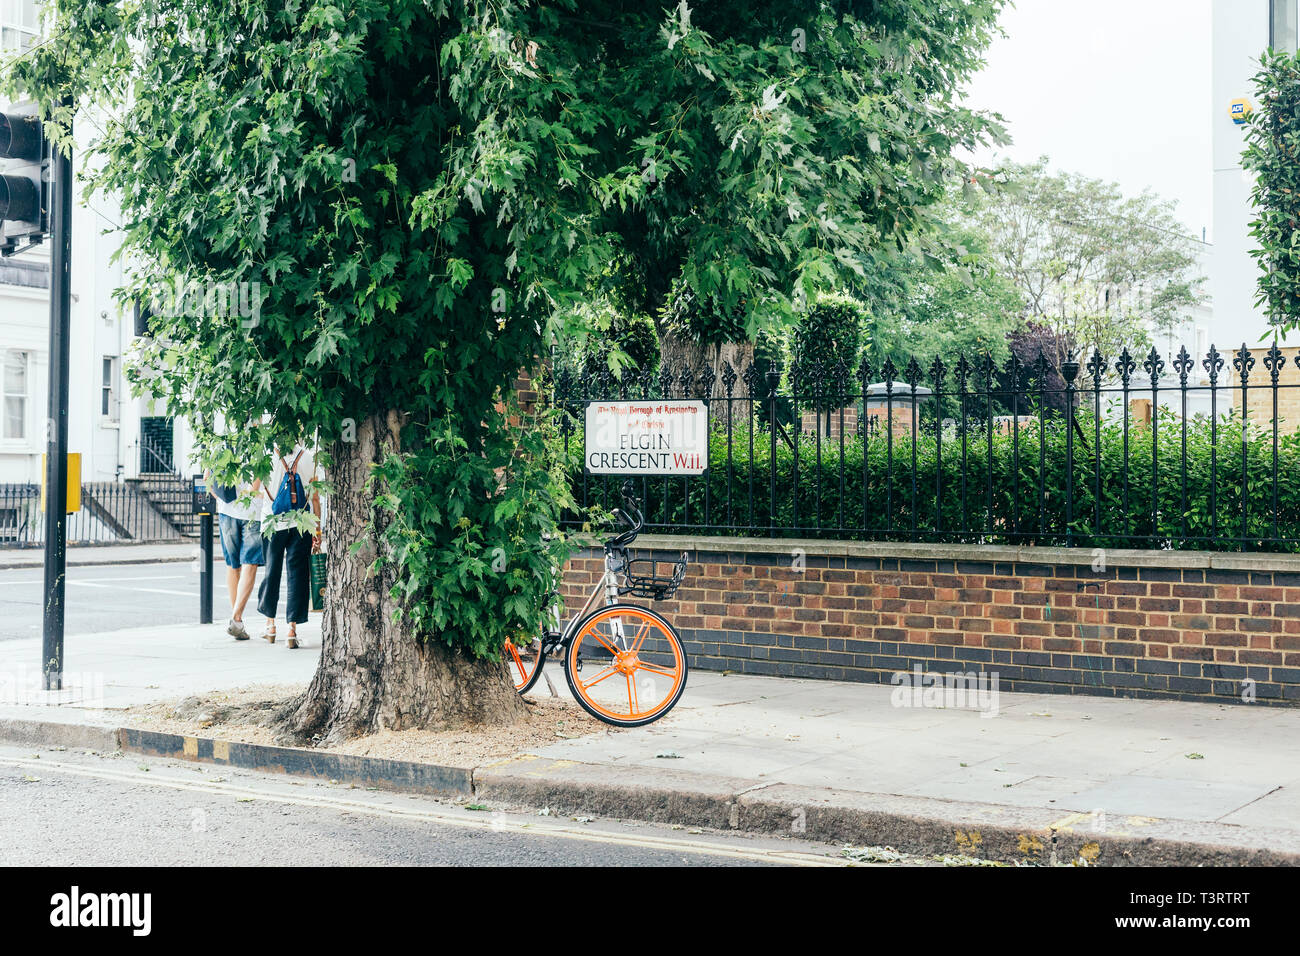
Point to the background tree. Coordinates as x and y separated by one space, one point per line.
1097 269
945 300
419 195
1273 155
833 125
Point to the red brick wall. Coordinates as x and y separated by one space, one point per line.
1152 624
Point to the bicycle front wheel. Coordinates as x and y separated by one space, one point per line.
626 665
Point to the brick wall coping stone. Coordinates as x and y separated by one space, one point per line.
1028 554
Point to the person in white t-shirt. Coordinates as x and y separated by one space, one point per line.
238 520
289 490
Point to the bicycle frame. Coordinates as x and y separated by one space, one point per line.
563 632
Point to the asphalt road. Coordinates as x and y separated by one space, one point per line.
110 597
69 808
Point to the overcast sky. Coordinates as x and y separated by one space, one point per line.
1114 89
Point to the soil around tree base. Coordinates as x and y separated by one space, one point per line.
252 714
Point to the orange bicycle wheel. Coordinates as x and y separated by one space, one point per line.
626 665
524 661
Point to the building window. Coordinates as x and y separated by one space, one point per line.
20 25
108 388
1282 25
14 417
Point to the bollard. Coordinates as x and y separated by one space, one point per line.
205 569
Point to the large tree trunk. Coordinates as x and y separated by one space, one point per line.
677 354
374 673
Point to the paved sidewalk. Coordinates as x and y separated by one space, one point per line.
88 555
1217 774
105 673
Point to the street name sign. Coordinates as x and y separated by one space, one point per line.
650 437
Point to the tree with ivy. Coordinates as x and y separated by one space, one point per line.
1273 154
420 195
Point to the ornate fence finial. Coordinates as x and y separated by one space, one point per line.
1274 361
1243 362
864 374
1154 365
1014 368
1182 365
729 378
1125 366
1096 368
937 371
687 379
1070 368
912 374
707 377
1213 364
890 372
963 372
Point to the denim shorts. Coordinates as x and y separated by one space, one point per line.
241 541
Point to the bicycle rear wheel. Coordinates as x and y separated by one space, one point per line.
525 661
626 665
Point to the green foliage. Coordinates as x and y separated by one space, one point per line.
703 318
828 490
627 344
1273 155
464 571
415 198
946 299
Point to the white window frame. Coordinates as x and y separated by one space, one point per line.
109 389
26 396
1287 10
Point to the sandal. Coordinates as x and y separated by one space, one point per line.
292 642
269 635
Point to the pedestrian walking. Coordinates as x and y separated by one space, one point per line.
287 497
239 515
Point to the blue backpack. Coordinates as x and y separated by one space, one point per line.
291 495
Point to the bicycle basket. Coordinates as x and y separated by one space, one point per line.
655 578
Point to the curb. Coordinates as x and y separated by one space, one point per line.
54 734
917 825
295 761
95 562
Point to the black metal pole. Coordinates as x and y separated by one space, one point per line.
56 447
205 569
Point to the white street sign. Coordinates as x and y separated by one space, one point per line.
650 437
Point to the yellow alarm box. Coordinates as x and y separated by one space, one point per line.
74 483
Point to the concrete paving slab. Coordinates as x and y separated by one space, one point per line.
1171 798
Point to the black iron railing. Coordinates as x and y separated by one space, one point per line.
111 512
1200 453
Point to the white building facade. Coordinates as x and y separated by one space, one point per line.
129 450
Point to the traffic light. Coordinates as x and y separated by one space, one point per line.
24 180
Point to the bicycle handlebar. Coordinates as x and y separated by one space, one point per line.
635 523
632 515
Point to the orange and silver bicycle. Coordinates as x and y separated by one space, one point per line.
625 664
